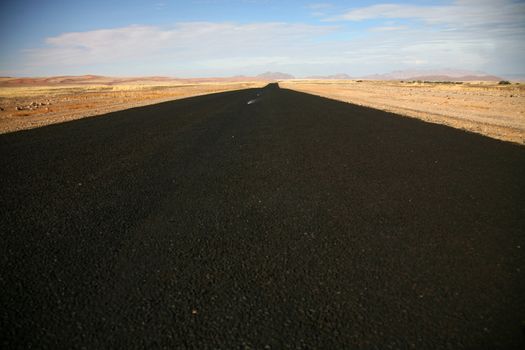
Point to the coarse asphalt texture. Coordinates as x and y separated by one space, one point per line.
260 218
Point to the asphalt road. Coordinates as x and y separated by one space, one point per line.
292 221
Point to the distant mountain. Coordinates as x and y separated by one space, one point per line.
435 75
341 76
515 77
104 80
275 76
80 80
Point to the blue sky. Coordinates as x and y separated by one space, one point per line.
227 37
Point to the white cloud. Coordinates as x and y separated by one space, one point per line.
320 9
487 36
195 41
388 28
460 12
479 34
320 6
160 5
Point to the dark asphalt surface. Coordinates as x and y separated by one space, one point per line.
291 222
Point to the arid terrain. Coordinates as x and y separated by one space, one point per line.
30 103
487 108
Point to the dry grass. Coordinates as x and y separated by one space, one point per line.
28 107
490 109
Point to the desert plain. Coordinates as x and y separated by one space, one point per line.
27 103
488 108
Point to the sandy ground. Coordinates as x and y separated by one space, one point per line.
26 107
490 109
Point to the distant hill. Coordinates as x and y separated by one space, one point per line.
342 76
104 80
275 76
424 75
435 75
80 80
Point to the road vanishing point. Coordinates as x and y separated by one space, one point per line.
260 218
